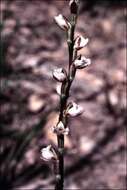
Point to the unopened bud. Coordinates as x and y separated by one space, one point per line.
74 6
62 22
82 63
80 42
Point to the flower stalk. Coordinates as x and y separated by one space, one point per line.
63 104
65 78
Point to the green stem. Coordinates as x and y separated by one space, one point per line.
70 41
63 104
60 172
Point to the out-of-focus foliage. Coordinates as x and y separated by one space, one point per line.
31 47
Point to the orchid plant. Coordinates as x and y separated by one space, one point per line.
65 78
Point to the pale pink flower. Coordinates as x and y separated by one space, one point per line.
80 42
82 63
60 129
47 154
59 74
62 22
74 110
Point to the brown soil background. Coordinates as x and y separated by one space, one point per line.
32 46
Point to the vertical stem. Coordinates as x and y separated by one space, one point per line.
61 159
70 41
60 174
63 104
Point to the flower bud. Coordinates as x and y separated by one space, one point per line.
59 74
48 154
74 6
62 22
74 110
82 63
59 129
80 42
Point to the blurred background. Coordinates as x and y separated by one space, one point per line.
32 45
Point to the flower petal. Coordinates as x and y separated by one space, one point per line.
60 129
75 110
80 42
62 22
47 154
59 74
58 88
82 63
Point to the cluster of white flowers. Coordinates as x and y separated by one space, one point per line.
61 76
80 42
73 110
81 62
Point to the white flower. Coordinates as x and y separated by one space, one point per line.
62 22
59 74
74 110
58 89
80 42
47 153
60 129
82 63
